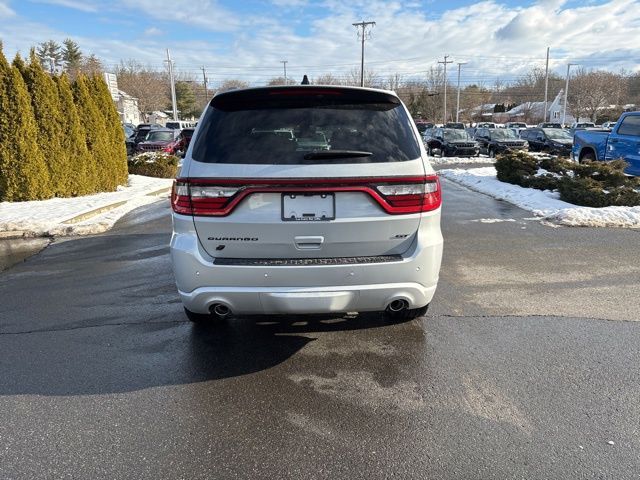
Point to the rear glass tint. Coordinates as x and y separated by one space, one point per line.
283 128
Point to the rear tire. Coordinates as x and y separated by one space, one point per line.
588 157
403 315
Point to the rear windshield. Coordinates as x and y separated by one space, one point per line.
287 131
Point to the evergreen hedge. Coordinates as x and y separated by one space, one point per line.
154 164
56 138
591 184
23 171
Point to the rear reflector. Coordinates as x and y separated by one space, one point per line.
216 198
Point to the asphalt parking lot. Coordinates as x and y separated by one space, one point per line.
526 366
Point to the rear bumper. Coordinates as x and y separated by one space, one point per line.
289 300
305 289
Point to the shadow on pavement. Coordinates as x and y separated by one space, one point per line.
134 356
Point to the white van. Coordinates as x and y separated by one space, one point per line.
179 124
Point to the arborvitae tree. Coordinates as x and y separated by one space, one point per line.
71 57
83 177
46 108
96 133
18 63
115 133
23 172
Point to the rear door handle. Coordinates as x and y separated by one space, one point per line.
309 243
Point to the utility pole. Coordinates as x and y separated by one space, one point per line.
445 86
458 102
204 79
173 86
364 26
284 65
566 94
546 86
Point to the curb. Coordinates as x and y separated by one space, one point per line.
92 213
14 234
159 192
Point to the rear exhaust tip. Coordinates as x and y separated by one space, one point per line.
220 310
397 306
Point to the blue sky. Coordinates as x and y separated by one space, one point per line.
247 40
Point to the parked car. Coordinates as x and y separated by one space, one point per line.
179 124
549 125
142 131
556 141
486 125
458 125
609 125
519 125
622 142
452 142
262 227
159 139
181 145
422 126
582 125
497 140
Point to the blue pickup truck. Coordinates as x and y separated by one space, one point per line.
622 142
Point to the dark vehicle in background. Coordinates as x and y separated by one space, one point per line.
515 125
622 142
458 125
129 134
452 142
486 125
549 125
160 139
497 140
181 145
552 140
422 126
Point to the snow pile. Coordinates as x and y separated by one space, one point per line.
452 160
48 217
543 204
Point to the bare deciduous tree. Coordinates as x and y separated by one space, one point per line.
149 86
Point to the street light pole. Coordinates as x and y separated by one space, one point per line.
566 93
458 102
284 64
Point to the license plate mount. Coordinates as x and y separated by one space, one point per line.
308 207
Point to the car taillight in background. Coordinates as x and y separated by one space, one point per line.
396 195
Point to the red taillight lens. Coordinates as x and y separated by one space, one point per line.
180 201
412 197
195 199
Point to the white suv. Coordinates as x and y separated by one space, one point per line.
306 199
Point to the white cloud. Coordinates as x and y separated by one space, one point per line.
5 10
152 31
74 4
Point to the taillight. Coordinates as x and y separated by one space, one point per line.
180 201
211 199
194 199
412 197
395 195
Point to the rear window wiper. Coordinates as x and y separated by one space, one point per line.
320 154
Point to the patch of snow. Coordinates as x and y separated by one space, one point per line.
46 217
453 160
494 220
544 204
